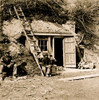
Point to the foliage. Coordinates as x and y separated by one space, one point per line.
39 9
85 13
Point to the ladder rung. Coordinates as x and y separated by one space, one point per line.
26 23
21 16
30 35
21 19
33 40
28 31
20 13
38 51
36 46
20 8
32 44
27 27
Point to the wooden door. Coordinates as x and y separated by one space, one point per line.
69 52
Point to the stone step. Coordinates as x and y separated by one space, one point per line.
79 77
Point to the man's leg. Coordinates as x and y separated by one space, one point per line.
48 69
15 71
1 68
44 70
54 69
4 72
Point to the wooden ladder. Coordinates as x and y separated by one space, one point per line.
28 31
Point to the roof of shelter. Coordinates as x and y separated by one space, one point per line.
43 26
14 28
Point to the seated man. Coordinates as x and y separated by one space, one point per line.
46 64
7 65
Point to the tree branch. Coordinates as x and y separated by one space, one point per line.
83 25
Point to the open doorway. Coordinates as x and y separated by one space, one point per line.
59 51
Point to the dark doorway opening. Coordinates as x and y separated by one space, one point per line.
59 51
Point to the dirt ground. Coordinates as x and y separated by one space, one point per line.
50 88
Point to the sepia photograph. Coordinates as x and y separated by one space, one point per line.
49 49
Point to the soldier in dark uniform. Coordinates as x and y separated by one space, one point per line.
7 65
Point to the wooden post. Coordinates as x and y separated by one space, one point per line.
53 41
64 52
49 45
1 18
